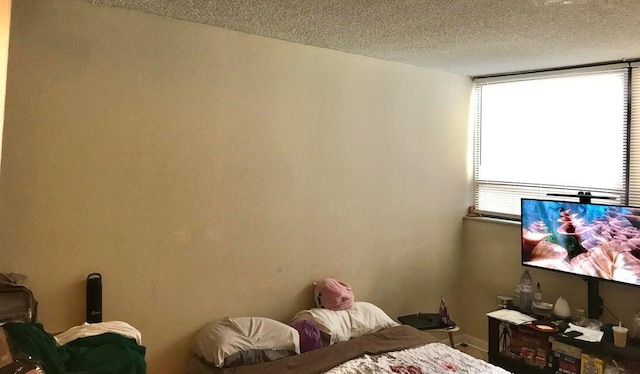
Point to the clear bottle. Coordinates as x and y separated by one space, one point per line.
581 317
526 292
516 296
537 296
635 330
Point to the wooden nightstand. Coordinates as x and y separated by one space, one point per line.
426 321
450 331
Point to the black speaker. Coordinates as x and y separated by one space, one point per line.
94 298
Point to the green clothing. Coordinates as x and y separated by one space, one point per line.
101 354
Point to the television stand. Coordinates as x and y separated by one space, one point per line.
497 346
595 305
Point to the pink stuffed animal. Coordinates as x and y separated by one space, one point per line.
332 294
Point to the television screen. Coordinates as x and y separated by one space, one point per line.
591 240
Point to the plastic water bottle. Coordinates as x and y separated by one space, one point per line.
635 329
581 317
526 292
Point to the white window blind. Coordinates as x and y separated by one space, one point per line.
634 139
560 132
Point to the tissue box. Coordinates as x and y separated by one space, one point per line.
591 364
534 348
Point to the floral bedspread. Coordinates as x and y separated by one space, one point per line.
435 358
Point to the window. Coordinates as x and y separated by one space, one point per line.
557 132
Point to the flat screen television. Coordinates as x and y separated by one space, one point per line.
594 241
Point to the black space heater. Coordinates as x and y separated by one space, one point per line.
94 298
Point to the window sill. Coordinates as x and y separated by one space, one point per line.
493 220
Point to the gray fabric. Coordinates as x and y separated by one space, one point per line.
256 356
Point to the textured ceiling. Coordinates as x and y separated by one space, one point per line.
471 37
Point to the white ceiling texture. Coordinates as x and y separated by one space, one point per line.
471 37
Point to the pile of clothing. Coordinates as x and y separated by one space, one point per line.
108 347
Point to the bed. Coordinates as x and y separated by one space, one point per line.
398 349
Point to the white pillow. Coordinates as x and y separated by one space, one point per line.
341 325
367 318
334 325
245 341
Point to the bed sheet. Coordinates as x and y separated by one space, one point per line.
434 358
392 341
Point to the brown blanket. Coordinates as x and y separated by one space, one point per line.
323 359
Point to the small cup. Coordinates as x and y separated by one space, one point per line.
505 302
620 336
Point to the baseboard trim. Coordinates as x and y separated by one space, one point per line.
472 341
467 339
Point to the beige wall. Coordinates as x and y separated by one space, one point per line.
5 20
492 267
206 172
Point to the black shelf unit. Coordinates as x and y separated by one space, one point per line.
604 348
